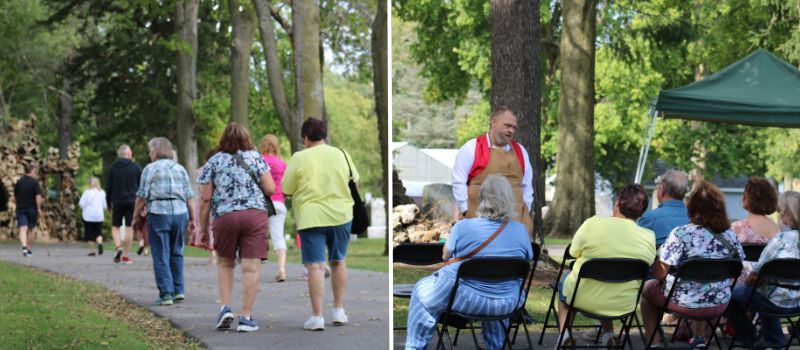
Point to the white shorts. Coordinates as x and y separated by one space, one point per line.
276 223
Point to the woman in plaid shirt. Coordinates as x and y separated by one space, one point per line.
165 189
770 298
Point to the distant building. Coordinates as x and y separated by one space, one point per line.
418 167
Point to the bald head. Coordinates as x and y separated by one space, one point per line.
503 125
124 151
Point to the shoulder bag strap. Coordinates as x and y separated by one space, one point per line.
348 163
479 248
247 169
734 253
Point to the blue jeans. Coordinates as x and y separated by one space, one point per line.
165 234
745 330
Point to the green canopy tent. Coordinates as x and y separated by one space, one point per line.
760 89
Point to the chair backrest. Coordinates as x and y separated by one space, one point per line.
614 270
706 270
537 250
494 269
752 251
418 254
781 271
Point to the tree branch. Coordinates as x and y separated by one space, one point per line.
276 14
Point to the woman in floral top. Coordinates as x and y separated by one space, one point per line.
702 238
760 199
770 298
240 226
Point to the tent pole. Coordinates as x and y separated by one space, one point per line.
647 138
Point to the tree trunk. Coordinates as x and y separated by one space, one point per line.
243 23
64 119
306 34
186 26
275 72
4 117
573 202
516 76
380 82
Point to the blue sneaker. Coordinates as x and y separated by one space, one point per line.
165 300
698 342
225 318
246 325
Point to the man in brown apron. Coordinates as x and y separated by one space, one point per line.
494 153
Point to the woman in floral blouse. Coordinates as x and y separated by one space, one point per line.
702 238
770 298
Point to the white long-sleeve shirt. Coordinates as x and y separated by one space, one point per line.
464 160
93 203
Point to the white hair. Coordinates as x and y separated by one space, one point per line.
789 205
123 151
496 200
162 147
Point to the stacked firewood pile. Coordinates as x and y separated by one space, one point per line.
21 146
410 225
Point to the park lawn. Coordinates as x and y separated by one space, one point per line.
41 310
362 254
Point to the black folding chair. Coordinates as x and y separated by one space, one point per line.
490 270
699 270
518 321
608 270
416 254
752 251
784 273
551 309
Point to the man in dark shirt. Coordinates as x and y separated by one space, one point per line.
28 196
121 186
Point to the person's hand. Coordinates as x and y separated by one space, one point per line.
192 227
204 236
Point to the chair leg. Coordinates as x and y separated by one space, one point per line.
793 332
649 343
714 333
527 336
474 336
547 316
677 327
639 327
455 339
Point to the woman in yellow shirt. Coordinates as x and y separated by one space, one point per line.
617 236
316 179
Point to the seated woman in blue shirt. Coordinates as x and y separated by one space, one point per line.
431 294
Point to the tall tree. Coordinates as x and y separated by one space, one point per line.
304 32
380 78
186 26
516 49
574 198
244 23
64 119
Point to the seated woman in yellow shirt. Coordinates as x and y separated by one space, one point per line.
608 237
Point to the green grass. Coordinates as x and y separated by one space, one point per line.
362 254
46 311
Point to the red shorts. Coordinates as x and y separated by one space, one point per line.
652 291
244 231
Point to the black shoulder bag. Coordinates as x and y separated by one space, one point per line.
360 218
267 200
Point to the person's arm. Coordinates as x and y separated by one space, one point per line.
84 201
660 270
451 245
464 159
527 180
289 183
190 207
39 198
206 190
267 184
137 210
671 254
109 190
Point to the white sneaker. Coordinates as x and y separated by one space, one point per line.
339 317
315 323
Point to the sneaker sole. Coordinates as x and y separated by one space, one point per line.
241 328
315 329
165 303
118 256
339 323
225 322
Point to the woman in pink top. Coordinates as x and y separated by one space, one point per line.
270 150
760 199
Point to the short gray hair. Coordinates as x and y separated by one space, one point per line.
123 150
496 200
789 205
162 147
675 183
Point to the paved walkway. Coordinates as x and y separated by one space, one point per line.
281 308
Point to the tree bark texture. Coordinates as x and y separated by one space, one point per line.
277 89
186 26
516 49
306 49
244 23
380 82
64 119
573 202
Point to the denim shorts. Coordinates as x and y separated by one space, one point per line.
561 295
26 217
315 240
